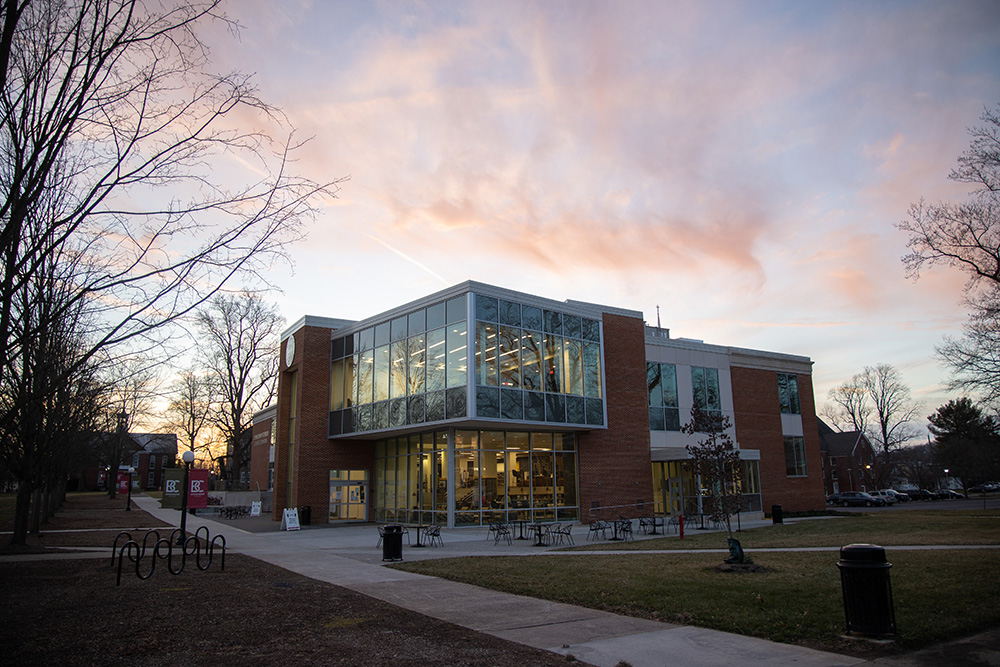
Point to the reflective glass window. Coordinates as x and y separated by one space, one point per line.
434 406
705 385
531 318
531 359
366 340
555 408
534 406
337 350
510 313
416 363
455 309
398 329
575 410
381 334
486 354
487 402
435 316
592 385
668 382
397 369
337 385
350 383
511 404
509 339
654 386
591 330
437 354
572 326
573 367
486 308
366 376
382 373
788 394
553 322
458 355
415 409
416 322
455 403
553 363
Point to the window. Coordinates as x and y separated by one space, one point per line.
661 381
151 482
795 456
788 394
152 461
705 383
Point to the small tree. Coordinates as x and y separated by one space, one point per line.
716 460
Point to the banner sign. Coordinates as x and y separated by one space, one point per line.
123 481
290 519
173 480
199 488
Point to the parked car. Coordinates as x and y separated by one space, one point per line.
985 487
920 494
900 496
947 494
887 495
854 498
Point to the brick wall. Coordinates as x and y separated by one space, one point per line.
615 465
260 453
758 426
315 454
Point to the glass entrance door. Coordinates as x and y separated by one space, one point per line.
348 495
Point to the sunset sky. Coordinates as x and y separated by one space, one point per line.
739 165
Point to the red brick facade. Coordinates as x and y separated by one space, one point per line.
315 455
758 426
260 451
615 465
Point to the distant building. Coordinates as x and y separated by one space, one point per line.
478 402
148 453
849 460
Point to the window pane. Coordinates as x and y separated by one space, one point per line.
531 358
417 323
668 381
595 412
487 402
553 363
592 370
398 329
397 369
572 327
436 356
435 316
366 376
510 357
415 364
712 389
458 361
455 310
531 318
534 406
434 406
591 330
382 373
337 385
415 409
486 354
573 366
654 387
511 404
455 403
349 382
553 322
366 340
575 410
555 408
486 308
656 419
510 313
382 334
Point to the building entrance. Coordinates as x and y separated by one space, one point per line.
348 495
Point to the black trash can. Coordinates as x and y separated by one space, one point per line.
864 578
777 515
392 543
305 515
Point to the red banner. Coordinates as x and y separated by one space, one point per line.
123 480
198 497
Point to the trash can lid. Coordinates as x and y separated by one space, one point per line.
863 553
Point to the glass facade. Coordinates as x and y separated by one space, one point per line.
528 364
496 475
661 381
677 490
788 394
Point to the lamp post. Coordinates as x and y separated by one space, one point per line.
187 457
128 505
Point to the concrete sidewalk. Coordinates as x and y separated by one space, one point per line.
346 556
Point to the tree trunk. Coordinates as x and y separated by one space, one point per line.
36 510
21 513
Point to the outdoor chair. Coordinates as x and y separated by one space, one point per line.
562 533
381 534
495 527
625 529
502 532
673 524
646 524
433 534
598 529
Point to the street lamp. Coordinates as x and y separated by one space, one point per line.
187 457
128 506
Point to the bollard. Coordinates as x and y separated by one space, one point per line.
864 578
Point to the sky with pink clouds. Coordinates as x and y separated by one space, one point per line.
738 164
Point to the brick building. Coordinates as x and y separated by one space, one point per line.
478 402
849 460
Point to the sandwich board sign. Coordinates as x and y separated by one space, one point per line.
255 508
290 519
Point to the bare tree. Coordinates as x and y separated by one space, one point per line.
112 103
716 459
132 387
878 403
190 408
240 336
966 236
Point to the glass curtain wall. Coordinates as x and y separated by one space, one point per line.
676 490
497 475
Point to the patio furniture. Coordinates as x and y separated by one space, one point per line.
598 529
502 532
433 534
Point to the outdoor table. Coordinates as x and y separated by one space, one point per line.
419 528
654 521
614 524
520 528
539 529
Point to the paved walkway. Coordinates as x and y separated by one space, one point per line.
346 556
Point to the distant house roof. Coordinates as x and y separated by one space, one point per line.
834 443
156 443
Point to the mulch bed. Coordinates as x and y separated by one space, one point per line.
69 612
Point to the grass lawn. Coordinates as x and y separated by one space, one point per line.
938 595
